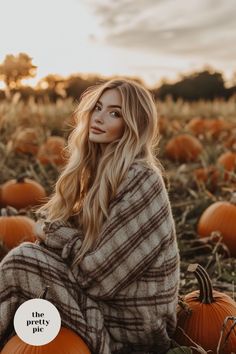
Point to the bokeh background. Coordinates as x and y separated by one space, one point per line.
159 42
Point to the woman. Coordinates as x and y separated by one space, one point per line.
108 247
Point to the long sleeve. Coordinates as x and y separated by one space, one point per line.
140 228
59 237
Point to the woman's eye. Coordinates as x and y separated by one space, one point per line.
114 113
117 114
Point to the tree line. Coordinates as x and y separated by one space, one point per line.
206 84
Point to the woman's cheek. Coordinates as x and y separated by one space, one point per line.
118 130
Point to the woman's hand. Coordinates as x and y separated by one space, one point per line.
60 237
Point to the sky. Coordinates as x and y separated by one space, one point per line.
152 39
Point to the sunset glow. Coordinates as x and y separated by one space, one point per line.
150 39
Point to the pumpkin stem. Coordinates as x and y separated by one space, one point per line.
21 178
204 281
44 292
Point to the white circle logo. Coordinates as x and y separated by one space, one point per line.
37 321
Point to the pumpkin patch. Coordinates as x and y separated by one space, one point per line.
196 149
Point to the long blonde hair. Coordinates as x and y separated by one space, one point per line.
91 177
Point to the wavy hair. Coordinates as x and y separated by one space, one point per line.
91 176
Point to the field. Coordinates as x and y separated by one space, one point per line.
189 194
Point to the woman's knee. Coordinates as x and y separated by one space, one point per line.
27 251
29 260
29 267
32 265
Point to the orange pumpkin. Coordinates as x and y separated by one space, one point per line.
197 126
52 151
15 229
183 147
220 216
22 192
214 127
228 161
25 141
203 315
66 341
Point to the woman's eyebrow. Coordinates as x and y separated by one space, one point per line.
111 106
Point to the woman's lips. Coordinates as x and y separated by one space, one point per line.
96 130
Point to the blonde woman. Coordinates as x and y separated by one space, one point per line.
107 247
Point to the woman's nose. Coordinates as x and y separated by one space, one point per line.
99 117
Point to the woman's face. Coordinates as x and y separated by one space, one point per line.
107 116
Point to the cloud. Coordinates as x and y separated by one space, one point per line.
203 29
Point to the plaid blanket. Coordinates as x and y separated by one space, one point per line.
123 295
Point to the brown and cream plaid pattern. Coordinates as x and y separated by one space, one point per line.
123 295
